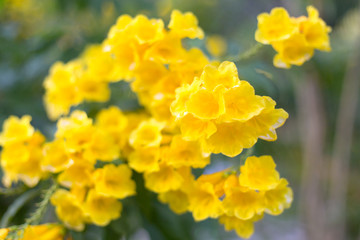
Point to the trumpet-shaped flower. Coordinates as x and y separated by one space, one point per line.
68 208
204 203
279 198
147 134
16 130
185 153
114 181
259 173
178 200
243 228
275 26
101 209
185 25
165 179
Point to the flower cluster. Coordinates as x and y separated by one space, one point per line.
22 152
137 49
294 39
192 108
224 113
238 200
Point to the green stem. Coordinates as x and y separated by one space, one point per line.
17 232
247 54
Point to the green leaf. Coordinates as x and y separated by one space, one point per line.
17 205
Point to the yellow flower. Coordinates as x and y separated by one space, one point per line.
205 104
114 181
292 51
315 30
3 233
77 131
275 26
183 93
259 173
293 38
68 208
190 66
167 50
185 25
185 153
21 161
216 45
40 232
145 159
147 30
243 203
178 200
279 198
91 89
225 74
101 209
16 130
243 228
230 139
268 120
102 147
218 180
61 90
100 64
166 179
193 128
147 134
204 203
113 121
77 174
55 157
241 103
121 25
147 74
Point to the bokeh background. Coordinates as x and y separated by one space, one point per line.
318 149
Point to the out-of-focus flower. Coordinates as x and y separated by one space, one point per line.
216 45
294 39
41 232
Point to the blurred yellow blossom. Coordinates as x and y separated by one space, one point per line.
294 39
244 228
101 209
21 155
114 181
41 232
16 130
216 45
69 209
185 25
275 26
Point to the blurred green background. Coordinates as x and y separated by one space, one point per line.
317 149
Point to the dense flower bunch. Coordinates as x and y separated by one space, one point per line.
192 108
294 39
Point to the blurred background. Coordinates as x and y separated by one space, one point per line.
318 148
